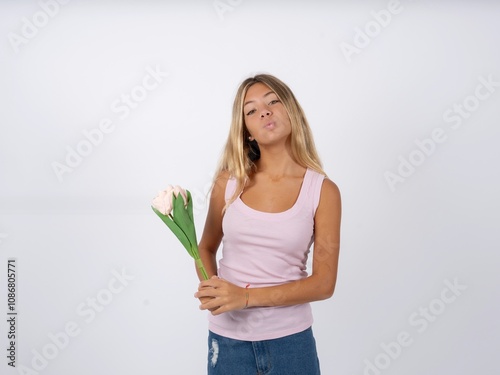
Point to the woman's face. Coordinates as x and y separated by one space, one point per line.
265 116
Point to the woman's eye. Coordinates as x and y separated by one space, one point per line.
274 101
251 112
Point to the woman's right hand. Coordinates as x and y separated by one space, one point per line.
204 300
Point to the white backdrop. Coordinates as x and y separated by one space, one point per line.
105 103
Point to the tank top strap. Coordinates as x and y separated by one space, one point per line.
313 189
230 188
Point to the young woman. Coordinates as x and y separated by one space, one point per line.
270 202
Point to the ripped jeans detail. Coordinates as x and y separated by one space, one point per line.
213 353
290 355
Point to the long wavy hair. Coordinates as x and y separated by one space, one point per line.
238 157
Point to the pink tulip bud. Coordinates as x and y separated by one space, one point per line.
164 201
178 190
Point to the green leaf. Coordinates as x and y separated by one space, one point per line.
176 230
190 205
181 218
192 235
181 223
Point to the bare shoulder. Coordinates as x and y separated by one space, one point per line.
219 187
330 190
224 176
329 200
212 233
220 181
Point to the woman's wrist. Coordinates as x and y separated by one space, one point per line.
247 295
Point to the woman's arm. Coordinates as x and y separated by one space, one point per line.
212 232
318 286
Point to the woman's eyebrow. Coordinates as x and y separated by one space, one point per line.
251 101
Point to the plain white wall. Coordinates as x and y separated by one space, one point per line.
405 121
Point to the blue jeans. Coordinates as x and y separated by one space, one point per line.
290 355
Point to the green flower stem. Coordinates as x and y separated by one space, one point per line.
201 267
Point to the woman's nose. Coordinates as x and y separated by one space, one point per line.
265 112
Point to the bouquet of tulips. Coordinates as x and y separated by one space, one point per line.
175 207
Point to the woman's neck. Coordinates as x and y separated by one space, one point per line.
278 164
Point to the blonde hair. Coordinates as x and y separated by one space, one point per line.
235 159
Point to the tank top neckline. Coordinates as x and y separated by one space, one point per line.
242 206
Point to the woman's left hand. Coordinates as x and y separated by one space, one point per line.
225 296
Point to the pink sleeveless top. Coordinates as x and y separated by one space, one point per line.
266 249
